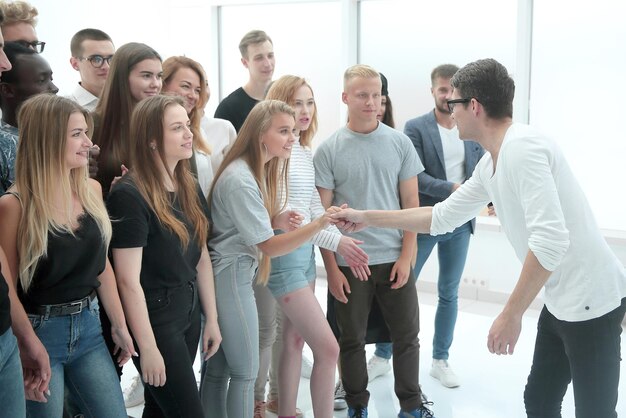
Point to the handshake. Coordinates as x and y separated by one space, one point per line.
345 218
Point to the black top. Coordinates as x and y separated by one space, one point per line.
71 268
5 306
235 107
165 263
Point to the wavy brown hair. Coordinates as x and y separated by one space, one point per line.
270 177
146 128
170 67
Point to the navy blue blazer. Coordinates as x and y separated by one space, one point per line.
433 184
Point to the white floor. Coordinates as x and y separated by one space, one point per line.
492 386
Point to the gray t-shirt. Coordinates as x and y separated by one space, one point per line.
239 218
364 171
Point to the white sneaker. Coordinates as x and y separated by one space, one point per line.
377 366
441 370
307 367
340 397
133 394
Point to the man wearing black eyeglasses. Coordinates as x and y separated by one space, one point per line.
551 226
20 19
92 50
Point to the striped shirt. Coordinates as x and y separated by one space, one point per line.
304 198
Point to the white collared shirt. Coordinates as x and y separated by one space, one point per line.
84 98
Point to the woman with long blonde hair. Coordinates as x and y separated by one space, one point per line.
292 278
245 203
161 257
55 231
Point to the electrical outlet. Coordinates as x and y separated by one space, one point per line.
475 282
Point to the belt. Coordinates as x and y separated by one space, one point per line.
61 309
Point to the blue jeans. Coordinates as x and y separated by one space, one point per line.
452 251
238 356
11 379
587 353
79 361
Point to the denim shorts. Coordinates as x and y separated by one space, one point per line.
292 271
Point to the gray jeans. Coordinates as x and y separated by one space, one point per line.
227 387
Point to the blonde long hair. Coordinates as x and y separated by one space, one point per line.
270 177
41 172
146 127
284 89
170 67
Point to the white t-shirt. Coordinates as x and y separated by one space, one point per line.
542 209
453 154
220 134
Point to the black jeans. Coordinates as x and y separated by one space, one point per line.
586 353
175 320
400 311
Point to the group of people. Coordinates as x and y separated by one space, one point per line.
195 232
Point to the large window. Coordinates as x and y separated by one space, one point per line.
307 43
577 86
405 40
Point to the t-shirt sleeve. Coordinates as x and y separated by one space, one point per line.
324 177
245 207
130 217
411 164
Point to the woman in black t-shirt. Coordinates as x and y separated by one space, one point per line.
55 231
160 229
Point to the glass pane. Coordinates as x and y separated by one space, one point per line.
302 44
576 91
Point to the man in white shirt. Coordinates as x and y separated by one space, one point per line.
551 227
92 50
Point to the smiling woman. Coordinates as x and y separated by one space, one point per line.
55 230
161 257
135 74
244 203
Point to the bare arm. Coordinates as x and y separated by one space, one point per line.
507 326
337 282
285 243
206 290
34 357
127 270
414 219
110 298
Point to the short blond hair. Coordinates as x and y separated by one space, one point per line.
18 12
361 71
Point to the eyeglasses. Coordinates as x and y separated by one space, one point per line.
452 103
97 60
37 46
